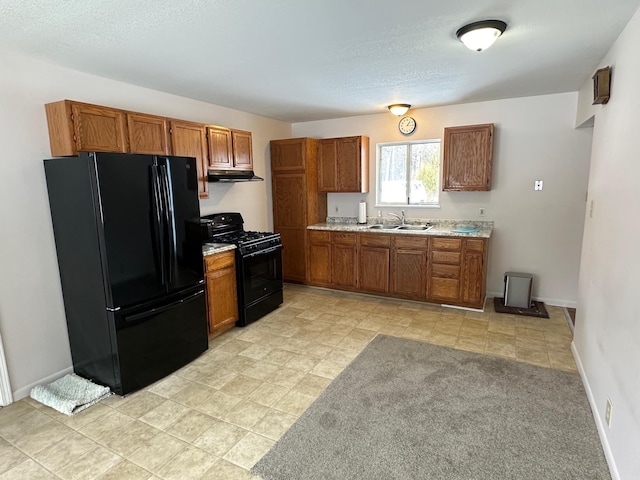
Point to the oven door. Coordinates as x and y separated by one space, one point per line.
260 275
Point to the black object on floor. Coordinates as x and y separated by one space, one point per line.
538 309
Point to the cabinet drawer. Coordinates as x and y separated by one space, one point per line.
444 288
410 242
440 243
344 238
474 245
445 271
449 258
375 240
316 236
219 260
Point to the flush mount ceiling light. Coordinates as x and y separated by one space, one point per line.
399 108
479 36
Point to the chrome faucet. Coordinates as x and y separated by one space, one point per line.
401 218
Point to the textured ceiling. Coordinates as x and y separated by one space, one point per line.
299 60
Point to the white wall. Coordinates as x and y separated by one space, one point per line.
32 321
607 333
535 139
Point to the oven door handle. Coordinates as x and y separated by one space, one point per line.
264 252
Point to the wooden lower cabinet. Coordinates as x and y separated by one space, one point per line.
374 261
446 270
222 296
474 273
333 259
344 260
409 267
293 253
319 271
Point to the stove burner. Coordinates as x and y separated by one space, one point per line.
228 228
241 237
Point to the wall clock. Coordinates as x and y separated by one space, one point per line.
407 125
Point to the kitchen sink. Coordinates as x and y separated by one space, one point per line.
415 227
422 228
383 227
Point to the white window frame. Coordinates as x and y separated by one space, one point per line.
408 166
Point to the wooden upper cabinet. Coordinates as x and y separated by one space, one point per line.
229 149
147 134
78 127
242 149
343 164
81 127
328 165
468 154
220 148
190 140
290 155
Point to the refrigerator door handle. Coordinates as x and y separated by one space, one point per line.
155 311
158 217
169 218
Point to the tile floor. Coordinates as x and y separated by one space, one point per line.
217 416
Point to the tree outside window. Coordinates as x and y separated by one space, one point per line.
409 173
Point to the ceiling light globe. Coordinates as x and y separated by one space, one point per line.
399 108
479 36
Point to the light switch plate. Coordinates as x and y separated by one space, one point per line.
538 185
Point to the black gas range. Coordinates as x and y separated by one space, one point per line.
258 263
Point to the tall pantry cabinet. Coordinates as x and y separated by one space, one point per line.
297 202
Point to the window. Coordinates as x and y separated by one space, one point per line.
408 173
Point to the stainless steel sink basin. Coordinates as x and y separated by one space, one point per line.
383 227
415 227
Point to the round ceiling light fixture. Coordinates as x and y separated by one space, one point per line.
399 108
479 36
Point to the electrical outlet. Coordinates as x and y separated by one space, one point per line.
337 209
591 209
481 211
607 413
538 185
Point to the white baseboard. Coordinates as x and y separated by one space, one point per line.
596 415
25 391
559 302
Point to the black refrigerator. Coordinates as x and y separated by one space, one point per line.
132 280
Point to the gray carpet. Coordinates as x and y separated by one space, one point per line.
409 410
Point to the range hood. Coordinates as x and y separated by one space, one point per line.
233 176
